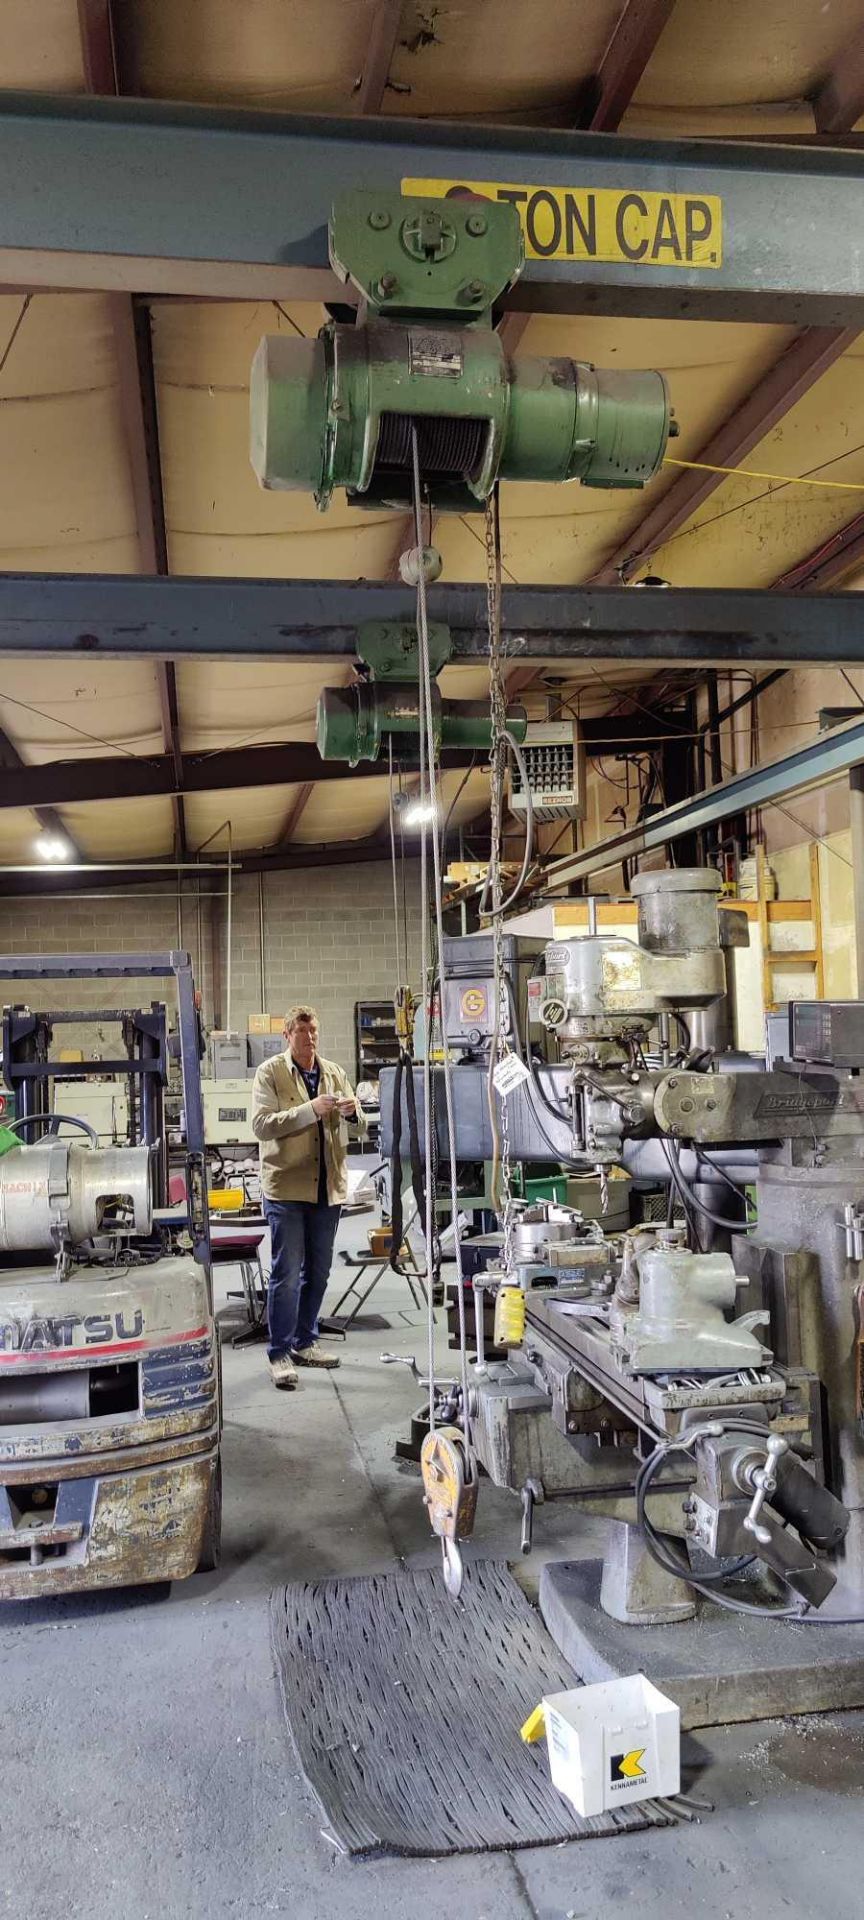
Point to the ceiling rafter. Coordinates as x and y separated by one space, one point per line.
831 561
610 90
839 99
295 813
133 348
12 763
288 763
383 40
786 381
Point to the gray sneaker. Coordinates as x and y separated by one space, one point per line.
314 1356
283 1372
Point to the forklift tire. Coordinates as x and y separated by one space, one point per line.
211 1544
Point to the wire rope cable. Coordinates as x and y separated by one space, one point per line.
432 810
400 970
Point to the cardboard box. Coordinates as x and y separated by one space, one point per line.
277 1022
613 1743
259 1023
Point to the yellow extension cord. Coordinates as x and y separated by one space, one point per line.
753 473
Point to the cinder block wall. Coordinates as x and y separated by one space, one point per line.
328 938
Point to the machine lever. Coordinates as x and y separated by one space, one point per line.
403 1360
764 1481
533 1494
408 1360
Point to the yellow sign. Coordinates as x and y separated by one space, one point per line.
626 227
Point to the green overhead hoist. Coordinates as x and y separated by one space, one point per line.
338 411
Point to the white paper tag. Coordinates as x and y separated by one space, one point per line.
509 1074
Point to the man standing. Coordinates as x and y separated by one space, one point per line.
299 1103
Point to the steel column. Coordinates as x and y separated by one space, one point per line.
161 197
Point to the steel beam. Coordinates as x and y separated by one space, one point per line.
801 364
127 616
610 91
288 763
163 197
822 760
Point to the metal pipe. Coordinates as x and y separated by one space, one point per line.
199 956
856 822
228 931
261 944
715 754
116 866
744 699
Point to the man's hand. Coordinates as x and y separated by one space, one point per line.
348 1107
324 1104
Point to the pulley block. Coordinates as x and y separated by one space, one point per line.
449 1473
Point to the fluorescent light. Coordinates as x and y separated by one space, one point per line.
419 812
52 846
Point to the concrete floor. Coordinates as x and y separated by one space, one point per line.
146 1767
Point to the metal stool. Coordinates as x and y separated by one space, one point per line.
243 1250
360 1265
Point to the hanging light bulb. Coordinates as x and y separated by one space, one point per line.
53 847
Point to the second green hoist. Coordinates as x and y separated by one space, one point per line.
338 411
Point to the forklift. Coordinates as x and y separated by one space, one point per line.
110 1389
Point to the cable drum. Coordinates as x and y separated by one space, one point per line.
449 447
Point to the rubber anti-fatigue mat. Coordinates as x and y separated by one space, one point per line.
405 1709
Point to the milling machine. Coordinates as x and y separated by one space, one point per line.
700 1383
110 1403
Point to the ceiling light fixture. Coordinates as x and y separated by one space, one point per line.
52 846
418 813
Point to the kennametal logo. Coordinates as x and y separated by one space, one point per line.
47 1333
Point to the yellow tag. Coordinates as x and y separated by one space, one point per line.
626 226
535 1726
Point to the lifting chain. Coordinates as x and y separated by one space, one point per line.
497 767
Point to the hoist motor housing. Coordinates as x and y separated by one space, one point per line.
384 701
338 411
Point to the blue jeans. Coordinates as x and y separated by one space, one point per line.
301 1240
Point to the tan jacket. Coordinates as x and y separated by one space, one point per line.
287 1131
